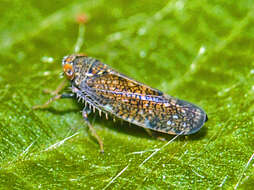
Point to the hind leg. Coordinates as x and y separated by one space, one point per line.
85 113
150 133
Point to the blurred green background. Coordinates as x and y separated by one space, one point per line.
200 51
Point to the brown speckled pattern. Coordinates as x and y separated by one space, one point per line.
112 92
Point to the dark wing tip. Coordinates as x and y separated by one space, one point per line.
199 117
199 124
206 118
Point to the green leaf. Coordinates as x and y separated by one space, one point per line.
199 51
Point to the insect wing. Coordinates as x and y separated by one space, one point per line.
143 105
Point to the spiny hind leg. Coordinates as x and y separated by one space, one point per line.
59 96
85 113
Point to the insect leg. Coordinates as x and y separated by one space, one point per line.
59 96
150 133
85 113
58 89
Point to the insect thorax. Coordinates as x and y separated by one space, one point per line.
83 69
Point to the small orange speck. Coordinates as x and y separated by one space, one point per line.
82 18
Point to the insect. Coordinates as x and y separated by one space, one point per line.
102 88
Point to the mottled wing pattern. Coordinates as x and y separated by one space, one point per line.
141 104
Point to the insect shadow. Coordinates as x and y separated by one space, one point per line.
118 126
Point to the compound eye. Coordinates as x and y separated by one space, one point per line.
69 71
